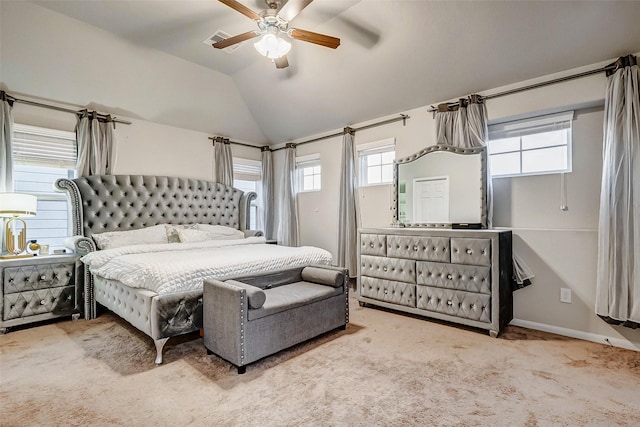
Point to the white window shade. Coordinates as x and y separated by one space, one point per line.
382 146
44 147
247 170
534 125
308 161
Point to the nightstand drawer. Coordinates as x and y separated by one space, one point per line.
37 276
59 301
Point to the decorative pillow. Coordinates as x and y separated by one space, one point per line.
172 231
116 239
255 296
193 236
323 276
223 232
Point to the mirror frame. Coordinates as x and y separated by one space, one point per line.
482 151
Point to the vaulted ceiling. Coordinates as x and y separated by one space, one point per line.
394 54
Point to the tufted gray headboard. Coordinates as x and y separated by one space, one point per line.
125 202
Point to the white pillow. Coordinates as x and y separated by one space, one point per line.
193 236
116 239
223 232
172 231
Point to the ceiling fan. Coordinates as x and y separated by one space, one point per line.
272 24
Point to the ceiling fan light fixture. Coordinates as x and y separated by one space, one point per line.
272 46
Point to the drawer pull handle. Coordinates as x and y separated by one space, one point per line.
469 251
450 276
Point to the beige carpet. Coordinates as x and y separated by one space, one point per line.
385 369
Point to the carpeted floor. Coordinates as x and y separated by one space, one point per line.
385 369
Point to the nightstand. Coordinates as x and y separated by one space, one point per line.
40 288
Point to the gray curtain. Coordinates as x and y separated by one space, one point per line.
288 227
349 213
6 153
618 278
96 144
465 125
267 192
6 144
222 161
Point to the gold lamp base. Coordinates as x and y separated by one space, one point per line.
16 245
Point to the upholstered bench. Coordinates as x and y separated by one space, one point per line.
253 317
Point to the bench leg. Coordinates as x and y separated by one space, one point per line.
242 369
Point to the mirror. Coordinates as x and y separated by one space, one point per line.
441 186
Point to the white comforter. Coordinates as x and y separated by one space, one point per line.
173 267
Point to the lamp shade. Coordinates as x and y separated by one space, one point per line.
272 46
17 204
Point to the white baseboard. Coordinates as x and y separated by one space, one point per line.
587 336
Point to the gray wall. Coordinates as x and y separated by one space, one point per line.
560 246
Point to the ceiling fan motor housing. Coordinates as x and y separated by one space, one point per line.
272 24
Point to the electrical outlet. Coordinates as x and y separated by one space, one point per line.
565 295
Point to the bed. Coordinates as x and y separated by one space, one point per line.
155 285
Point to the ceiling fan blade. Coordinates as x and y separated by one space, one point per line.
242 9
236 39
292 8
311 37
281 62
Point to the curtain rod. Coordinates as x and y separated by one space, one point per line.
66 110
402 117
537 85
213 138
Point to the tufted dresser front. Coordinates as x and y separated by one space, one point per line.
461 276
40 288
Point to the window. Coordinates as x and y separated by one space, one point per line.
40 157
309 173
247 176
376 162
535 146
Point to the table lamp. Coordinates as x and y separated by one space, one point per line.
14 206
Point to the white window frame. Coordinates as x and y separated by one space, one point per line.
251 170
307 162
35 146
532 126
378 147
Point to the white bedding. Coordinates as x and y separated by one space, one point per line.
174 267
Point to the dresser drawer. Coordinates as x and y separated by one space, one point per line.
373 244
419 248
401 270
37 276
471 251
388 291
60 300
467 305
469 278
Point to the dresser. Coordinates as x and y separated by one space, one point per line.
40 288
460 276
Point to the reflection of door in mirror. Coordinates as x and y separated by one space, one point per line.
431 199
